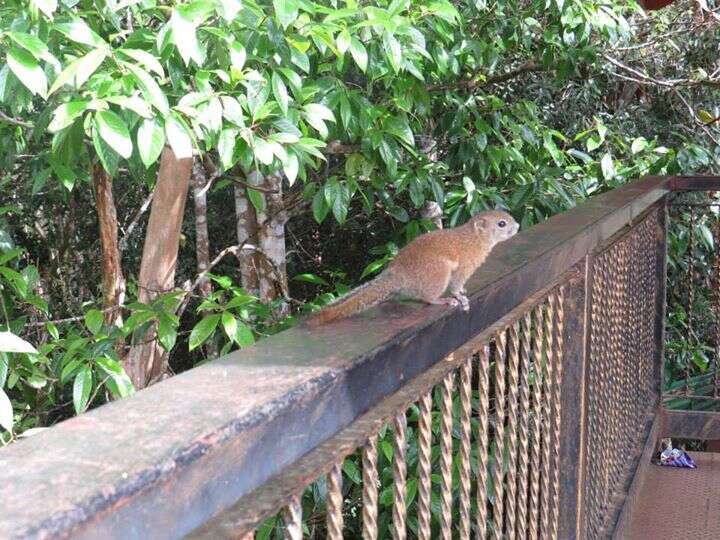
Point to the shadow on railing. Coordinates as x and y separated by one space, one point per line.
406 420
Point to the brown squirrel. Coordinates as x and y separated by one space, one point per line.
428 266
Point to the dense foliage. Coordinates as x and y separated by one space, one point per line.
366 110
338 122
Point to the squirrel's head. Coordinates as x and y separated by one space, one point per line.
494 225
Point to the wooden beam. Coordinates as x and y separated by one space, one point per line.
700 425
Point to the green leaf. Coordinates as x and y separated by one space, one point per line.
81 389
27 70
167 332
291 167
184 36
150 141
9 342
244 337
343 41
149 88
320 207
705 117
300 59
286 11
373 267
30 43
232 111
316 114
257 199
4 368
238 55
359 53
638 145
66 114
48 7
352 472
203 330
593 142
178 138
393 50
229 325
280 92
6 411
79 32
263 151
79 70
311 278
146 59
226 148
607 166
114 132
445 10
228 9
94 320
108 157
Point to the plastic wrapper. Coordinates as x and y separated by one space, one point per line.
674 457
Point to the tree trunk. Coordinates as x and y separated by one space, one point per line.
246 221
112 277
202 238
271 236
146 361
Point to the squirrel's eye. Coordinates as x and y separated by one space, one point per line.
502 223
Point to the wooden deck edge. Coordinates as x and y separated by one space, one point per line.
623 522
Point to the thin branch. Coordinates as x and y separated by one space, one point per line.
136 218
14 121
473 82
259 188
69 319
215 173
644 78
189 288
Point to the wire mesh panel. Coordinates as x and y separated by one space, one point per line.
469 449
621 367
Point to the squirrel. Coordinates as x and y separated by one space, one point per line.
434 262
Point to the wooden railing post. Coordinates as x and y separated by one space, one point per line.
660 300
572 429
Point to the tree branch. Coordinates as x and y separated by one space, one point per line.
645 79
472 83
136 218
14 121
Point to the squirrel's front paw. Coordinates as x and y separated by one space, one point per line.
463 301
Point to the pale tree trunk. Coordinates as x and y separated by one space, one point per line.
202 238
271 237
113 281
246 221
433 213
146 361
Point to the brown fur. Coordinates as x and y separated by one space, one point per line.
428 266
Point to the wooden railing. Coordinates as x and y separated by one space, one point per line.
525 417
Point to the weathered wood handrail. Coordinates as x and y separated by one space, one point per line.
165 461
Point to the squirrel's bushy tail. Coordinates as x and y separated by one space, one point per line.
365 296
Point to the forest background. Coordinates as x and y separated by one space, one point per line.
181 179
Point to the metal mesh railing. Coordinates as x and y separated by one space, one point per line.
471 448
480 445
622 372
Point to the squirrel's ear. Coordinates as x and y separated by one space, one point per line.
479 223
